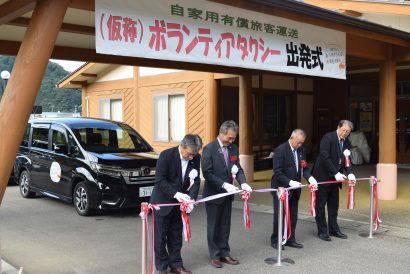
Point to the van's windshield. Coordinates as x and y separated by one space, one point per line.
110 138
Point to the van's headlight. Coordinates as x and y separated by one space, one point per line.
103 169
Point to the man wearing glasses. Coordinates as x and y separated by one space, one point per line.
176 168
219 159
329 166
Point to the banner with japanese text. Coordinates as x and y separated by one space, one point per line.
201 31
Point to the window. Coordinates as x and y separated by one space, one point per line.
59 141
26 136
277 116
169 117
111 109
40 138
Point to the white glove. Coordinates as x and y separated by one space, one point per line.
189 208
181 197
230 188
312 181
294 183
246 187
351 177
340 177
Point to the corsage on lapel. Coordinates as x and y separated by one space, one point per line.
192 175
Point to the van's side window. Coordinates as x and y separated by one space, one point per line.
59 141
26 136
40 138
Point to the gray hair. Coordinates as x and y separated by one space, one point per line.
345 122
298 131
228 125
193 141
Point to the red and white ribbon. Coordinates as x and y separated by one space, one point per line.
346 153
246 211
303 165
350 195
287 231
313 189
185 222
376 213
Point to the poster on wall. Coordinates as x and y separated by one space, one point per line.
206 32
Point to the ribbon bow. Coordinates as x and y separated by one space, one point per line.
246 211
185 221
376 214
287 231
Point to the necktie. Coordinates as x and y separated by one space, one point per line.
341 145
295 155
225 151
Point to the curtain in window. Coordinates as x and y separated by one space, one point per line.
105 109
116 110
161 118
177 117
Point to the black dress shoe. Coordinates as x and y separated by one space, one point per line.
216 263
324 237
338 234
294 244
275 246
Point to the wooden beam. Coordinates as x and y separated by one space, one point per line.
10 10
362 6
91 75
81 83
65 27
83 5
351 13
365 48
401 54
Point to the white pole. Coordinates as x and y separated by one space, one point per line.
371 181
144 240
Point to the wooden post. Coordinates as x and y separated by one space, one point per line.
387 167
25 80
245 125
212 109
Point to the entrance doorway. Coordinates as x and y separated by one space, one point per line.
403 131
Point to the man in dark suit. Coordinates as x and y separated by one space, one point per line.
174 168
219 159
288 171
329 166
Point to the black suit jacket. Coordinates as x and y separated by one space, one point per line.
215 170
168 179
284 166
330 160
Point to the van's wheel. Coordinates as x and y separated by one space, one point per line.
24 185
81 199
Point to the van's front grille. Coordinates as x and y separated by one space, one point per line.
143 175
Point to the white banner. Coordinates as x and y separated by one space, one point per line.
207 32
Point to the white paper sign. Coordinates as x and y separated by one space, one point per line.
207 32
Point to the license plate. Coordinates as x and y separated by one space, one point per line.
146 191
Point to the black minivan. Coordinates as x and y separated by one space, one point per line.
95 164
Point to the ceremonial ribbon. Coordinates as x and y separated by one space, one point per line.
303 165
185 222
287 231
246 212
376 204
350 195
313 200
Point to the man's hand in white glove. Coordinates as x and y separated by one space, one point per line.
294 183
246 187
352 178
181 197
312 181
189 208
340 177
230 188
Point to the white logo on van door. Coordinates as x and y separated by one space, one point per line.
55 172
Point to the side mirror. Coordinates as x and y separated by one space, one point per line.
61 149
74 150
